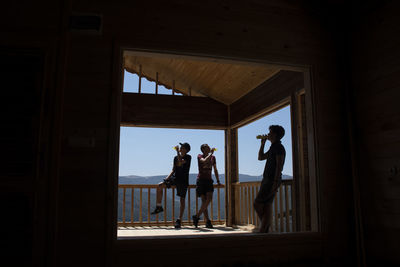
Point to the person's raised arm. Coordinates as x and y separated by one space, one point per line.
208 156
261 154
179 156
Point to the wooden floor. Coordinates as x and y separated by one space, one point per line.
160 231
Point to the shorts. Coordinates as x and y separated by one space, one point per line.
181 188
203 186
266 195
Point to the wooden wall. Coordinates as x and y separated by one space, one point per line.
266 95
376 83
170 111
85 78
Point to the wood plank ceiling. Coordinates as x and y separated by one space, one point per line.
225 82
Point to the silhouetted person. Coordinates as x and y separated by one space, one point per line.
272 176
205 183
179 177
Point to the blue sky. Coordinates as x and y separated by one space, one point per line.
149 151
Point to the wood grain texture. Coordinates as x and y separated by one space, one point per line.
172 111
376 83
273 91
222 81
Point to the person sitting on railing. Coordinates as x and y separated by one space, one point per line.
204 184
272 177
179 177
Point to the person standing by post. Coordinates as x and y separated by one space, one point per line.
204 184
272 176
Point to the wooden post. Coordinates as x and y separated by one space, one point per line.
231 170
140 79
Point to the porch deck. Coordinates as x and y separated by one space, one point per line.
186 230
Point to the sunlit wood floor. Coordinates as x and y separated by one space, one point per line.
160 231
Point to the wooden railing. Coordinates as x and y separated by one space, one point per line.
137 201
283 219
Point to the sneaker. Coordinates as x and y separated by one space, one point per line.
178 224
195 220
158 210
209 224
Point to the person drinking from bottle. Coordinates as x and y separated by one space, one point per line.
179 177
272 176
204 184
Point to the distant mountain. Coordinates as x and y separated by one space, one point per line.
135 179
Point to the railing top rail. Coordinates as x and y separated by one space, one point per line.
284 181
156 185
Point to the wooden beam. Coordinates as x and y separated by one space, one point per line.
232 173
173 111
273 91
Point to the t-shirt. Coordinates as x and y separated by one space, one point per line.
182 172
205 167
270 166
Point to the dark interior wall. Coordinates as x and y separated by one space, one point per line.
376 83
261 30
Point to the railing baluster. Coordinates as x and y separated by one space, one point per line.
237 203
219 204
197 202
140 206
281 209
248 204
294 211
242 204
148 205
276 212
123 205
252 206
287 209
165 205
257 219
132 203
173 204
212 208
188 211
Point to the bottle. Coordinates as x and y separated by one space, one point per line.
261 136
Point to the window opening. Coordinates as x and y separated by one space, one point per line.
146 158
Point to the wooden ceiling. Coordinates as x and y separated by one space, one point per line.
225 82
